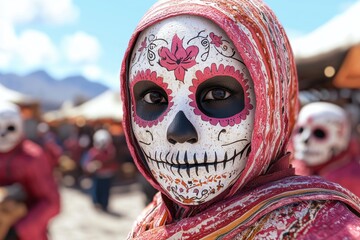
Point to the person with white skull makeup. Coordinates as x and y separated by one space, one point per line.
23 162
209 91
323 145
99 162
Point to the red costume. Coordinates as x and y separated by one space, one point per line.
26 164
105 158
209 92
52 150
343 169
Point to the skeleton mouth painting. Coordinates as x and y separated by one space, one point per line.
188 165
172 162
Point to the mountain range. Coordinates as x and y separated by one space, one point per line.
50 92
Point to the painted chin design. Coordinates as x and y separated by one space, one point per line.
6 144
192 178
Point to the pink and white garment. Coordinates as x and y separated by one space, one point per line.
181 48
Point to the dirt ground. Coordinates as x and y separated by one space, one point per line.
79 220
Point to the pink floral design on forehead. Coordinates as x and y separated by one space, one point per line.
178 59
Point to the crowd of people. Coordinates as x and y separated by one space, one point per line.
214 126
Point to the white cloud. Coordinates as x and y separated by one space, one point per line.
58 11
81 48
8 41
92 72
27 11
35 48
29 49
111 79
23 51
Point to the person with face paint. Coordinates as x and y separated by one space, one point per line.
323 146
100 164
23 163
209 90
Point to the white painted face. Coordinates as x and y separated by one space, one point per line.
11 126
101 138
322 132
193 107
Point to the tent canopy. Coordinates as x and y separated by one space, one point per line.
338 34
105 106
320 55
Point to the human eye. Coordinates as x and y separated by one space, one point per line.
216 94
154 97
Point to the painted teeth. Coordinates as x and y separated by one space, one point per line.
173 162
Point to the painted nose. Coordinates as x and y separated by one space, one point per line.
306 137
181 130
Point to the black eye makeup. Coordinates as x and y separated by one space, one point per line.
150 100
319 133
11 128
150 97
220 94
215 99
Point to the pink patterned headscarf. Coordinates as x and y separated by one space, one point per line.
262 43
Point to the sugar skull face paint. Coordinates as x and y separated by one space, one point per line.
322 132
193 107
11 126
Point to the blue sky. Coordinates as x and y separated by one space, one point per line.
88 37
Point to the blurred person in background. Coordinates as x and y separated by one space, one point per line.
100 164
209 93
26 211
323 145
76 147
47 140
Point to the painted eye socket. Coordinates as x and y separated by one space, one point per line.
151 100
154 97
319 133
215 100
300 129
216 94
11 128
221 95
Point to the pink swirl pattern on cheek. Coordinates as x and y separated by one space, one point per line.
149 75
213 71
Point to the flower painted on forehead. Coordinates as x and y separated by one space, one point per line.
178 59
216 40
